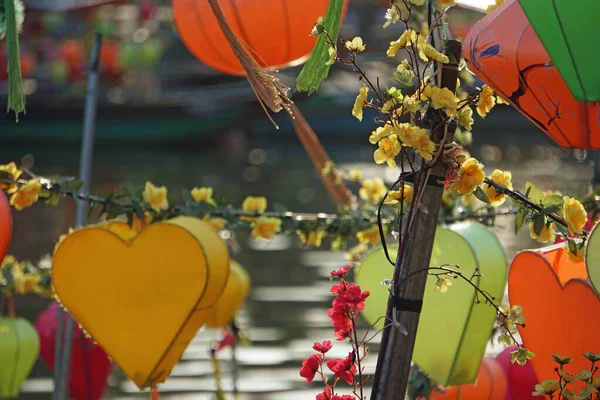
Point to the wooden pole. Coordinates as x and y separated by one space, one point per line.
396 349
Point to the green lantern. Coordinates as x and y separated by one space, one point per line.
567 31
19 349
453 329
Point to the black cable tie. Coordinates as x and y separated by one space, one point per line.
406 304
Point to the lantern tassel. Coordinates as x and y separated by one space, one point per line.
269 90
338 191
315 70
154 394
16 96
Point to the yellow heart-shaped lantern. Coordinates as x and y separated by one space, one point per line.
232 298
143 296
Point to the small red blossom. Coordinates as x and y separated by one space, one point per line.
343 368
341 322
310 366
341 272
339 288
227 341
451 176
354 296
326 394
322 347
343 397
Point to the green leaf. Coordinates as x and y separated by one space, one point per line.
561 360
534 194
572 246
480 194
315 71
551 209
520 219
539 221
187 197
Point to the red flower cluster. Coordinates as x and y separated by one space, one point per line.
322 347
341 272
349 297
343 368
327 395
310 366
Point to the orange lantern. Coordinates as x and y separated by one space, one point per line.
5 225
504 51
232 298
491 384
560 306
276 32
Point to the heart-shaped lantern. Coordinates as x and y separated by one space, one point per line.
560 307
142 298
504 51
90 366
236 291
452 355
19 349
491 384
521 378
5 225
592 258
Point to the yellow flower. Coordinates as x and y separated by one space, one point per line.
404 73
13 173
332 51
426 92
442 283
26 195
355 175
547 235
492 7
381 132
9 260
408 37
486 101
579 255
433 55
502 178
546 388
411 104
218 224
444 98
369 236
356 253
31 283
500 100
575 215
465 118
265 227
360 102
515 316
312 238
470 175
521 356
372 190
395 196
424 145
389 147
409 134
356 45
156 197
256 205
443 4
203 195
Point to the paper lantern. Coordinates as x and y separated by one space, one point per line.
451 355
521 378
592 258
142 298
232 298
90 366
5 225
276 32
559 305
19 348
504 51
567 31
491 384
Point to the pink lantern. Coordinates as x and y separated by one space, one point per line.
90 366
521 379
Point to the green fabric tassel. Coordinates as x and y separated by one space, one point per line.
16 97
315 71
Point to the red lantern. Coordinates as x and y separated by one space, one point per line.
276 32
5 225
521 378
90 367
109 59
504 51
491 384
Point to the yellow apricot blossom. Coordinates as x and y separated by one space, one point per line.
465 118
547 387
470 175
12 172
424 145
381 132
156 197
408 37
369 236
486 101
356 175
356 45
332 51
395 196
312 238
372 190
266 227
409 133
26 195
202 195
492 7
359 103
389 147
425 90
431 54
404 73
443 98
548 233
256 205
444 4
411 104
575 215
503 178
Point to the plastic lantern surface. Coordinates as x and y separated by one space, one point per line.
232 298
90 366
592 258
19 349
558 303
566 29
5 225
491 384
504 51
451 355
156 290
521 378
276 32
